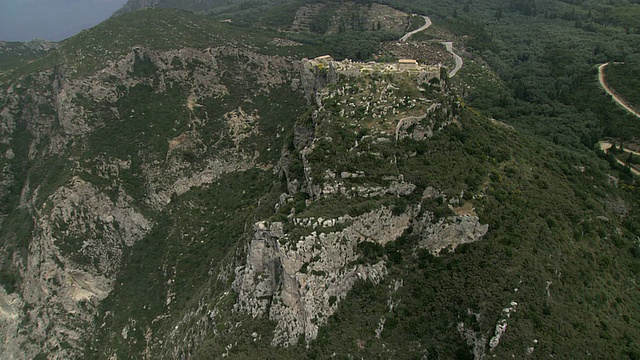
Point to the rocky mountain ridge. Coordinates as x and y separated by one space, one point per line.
232 198
14 53
299 281
84 227
36 45
65 219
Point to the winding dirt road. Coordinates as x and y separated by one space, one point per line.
449 46
610 91
606 146
427 23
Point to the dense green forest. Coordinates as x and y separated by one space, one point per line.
625 80
547 61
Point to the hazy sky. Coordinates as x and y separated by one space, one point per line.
24 20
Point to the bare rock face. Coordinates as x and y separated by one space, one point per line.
176 180
298 282
449 232
55 113
63 289
104 226
10 323
304 16
241 125
36 46
374 17
41 45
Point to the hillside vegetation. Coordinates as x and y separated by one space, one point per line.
13 54
545 53
625 80
177 186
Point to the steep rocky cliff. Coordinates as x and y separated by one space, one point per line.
84 203
298 271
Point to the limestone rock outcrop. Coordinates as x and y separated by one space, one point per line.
296 271
84 214
299 282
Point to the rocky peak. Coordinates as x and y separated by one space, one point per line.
297 271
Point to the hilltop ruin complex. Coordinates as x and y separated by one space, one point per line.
354 68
